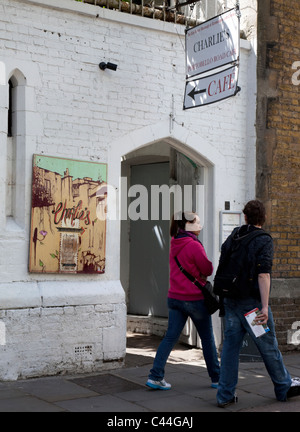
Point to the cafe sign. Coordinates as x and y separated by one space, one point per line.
212 88
213 44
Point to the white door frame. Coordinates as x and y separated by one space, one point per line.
186 142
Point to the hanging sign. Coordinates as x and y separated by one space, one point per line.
213 44
212 88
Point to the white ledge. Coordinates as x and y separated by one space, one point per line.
23 295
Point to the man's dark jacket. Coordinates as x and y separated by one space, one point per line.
260 252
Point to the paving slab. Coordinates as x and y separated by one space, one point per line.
52 389
106 403
27 404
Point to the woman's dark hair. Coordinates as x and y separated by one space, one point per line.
179 220
255 212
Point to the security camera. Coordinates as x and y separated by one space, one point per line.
108 65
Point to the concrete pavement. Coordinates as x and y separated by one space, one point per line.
123 390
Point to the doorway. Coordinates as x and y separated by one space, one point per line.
145 242
149 247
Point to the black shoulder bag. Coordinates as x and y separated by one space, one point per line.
210 299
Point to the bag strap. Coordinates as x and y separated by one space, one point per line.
188 275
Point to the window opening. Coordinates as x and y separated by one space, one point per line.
15 152
9 119
11 155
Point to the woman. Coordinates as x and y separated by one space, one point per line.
185 299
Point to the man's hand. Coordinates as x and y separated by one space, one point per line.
262 317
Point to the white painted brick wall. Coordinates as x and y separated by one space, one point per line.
73 109
44 340
45 333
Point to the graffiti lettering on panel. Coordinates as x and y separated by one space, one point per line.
68 224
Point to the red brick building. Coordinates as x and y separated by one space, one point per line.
278 156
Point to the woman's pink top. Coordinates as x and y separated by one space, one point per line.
192 257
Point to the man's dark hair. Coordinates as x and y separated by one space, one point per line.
255 212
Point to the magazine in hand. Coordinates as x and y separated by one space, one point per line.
258 329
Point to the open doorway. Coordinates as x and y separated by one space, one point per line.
149 247
145 241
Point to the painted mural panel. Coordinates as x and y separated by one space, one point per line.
68 226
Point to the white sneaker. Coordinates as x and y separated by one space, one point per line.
158 385
294 390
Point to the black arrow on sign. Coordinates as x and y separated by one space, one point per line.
195 92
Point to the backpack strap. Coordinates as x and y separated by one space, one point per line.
248 238
245 240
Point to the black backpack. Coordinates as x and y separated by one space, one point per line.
234 276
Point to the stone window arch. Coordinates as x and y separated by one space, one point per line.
15 151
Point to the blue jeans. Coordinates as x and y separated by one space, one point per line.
236 327
179 311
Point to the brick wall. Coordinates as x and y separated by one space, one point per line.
57 337
278 152
286 311
283 116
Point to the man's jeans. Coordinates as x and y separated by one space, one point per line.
179 311
235 328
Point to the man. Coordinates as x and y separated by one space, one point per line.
260 253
